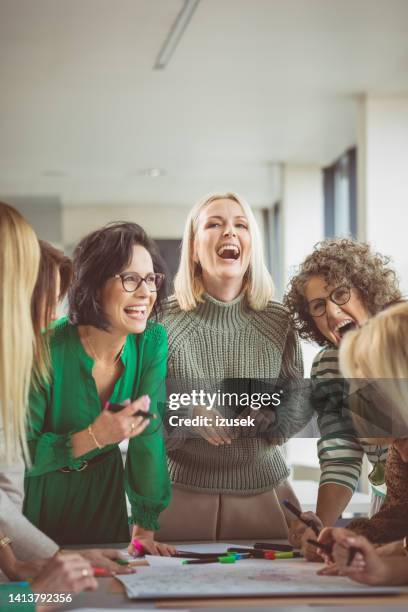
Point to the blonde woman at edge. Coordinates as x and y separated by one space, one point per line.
378 351
223 324
19 264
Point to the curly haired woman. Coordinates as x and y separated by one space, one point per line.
337 288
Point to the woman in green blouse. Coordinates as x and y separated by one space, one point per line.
107 350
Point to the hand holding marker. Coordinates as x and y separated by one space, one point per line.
298 514
328 549
139 413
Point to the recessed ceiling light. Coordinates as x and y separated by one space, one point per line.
153 172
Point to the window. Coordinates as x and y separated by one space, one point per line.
340 211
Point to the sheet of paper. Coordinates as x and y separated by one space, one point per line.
245 578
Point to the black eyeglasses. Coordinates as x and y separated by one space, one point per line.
131 281
339 296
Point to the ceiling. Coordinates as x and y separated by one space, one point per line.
252 83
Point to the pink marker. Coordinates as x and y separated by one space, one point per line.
138 546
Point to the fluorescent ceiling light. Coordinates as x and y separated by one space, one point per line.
175 34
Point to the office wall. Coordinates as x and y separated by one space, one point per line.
158 221
383 177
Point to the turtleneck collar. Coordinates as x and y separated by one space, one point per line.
222 315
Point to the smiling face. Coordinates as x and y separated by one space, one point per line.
127 313
337 319
222 243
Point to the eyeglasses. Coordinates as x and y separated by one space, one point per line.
131 281
339 296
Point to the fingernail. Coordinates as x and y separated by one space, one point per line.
351 540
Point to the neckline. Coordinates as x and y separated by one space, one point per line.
220 315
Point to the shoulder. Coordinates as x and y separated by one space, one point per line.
60 332
170 307
326 362
155 334
273 322
177 322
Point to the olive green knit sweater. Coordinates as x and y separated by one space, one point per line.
218 341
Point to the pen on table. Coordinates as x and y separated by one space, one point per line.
186 554
121 561
225 559
298 513
258 553
273 546
101 572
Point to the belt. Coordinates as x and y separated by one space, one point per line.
85 464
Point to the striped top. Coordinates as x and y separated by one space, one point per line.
340 452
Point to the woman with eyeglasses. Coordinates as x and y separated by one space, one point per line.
107 352
337 288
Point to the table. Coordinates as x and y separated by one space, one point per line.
111 595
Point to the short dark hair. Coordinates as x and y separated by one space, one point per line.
97 258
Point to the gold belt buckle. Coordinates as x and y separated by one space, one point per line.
67 470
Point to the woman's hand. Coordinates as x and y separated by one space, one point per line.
299 533
367 566
215 435
67 573
151 547
25 570
105 557
392 549
110 427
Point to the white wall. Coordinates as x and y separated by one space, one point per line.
158 221
302 198
383 177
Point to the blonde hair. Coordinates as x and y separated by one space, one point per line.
19 262
379 350
188 286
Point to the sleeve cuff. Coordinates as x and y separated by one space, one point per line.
145 516
63 452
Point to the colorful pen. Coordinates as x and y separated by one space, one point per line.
273 546
121 562
101 572
226 559
297 513
328 548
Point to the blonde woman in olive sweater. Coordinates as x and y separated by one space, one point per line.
222 324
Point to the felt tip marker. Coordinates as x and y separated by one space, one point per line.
121 562
227 559
328 548
298 513
101 572
139 413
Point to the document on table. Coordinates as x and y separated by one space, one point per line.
249 578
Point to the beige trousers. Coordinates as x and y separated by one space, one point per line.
193 515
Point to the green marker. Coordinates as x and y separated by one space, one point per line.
121 562
287 555
225 559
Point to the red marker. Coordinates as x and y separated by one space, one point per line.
101 572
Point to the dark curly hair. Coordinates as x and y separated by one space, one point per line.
341 261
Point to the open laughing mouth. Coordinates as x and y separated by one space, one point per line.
138 313
229 251
344 327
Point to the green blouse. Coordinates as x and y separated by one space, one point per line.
70 402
